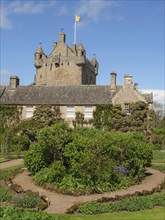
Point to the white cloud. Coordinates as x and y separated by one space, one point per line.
63 10
4 20
27 7
4 76
94 9
22 7
158 95
5 72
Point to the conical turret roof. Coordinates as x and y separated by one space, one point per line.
39 50
80 46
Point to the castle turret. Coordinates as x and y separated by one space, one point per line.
38 57
95 64
81 55
80 50
62 37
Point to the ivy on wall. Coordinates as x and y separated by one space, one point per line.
113 118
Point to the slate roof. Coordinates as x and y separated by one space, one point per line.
59 95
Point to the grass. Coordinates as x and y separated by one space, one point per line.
13 156
158 156
152 214
7 172
158 161
161 167
3 160
13 168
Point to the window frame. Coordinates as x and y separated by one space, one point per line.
70 112
29 111
88 111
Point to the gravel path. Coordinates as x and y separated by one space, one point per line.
60 203
11 163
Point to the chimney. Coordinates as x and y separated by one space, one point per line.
136 87
61 37
14 82
113 80
128 79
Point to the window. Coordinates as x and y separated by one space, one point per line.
70 112
29 112
126 107
88 112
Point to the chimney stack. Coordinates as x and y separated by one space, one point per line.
113 80
127 80
14 82
136 87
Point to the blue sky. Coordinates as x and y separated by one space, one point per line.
126 36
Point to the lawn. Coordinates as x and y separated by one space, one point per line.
158 156
13 155
3 160
158 161
152 214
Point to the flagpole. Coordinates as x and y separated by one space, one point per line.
75 30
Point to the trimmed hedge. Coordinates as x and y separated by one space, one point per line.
134 203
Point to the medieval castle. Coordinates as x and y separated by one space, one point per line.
68 79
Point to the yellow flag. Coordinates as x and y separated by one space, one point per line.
77 18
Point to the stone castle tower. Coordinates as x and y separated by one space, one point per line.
65 65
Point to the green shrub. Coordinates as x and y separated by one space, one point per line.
27 201
10 213
134 203
49 147
34 159
5 195
54 173
86 158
